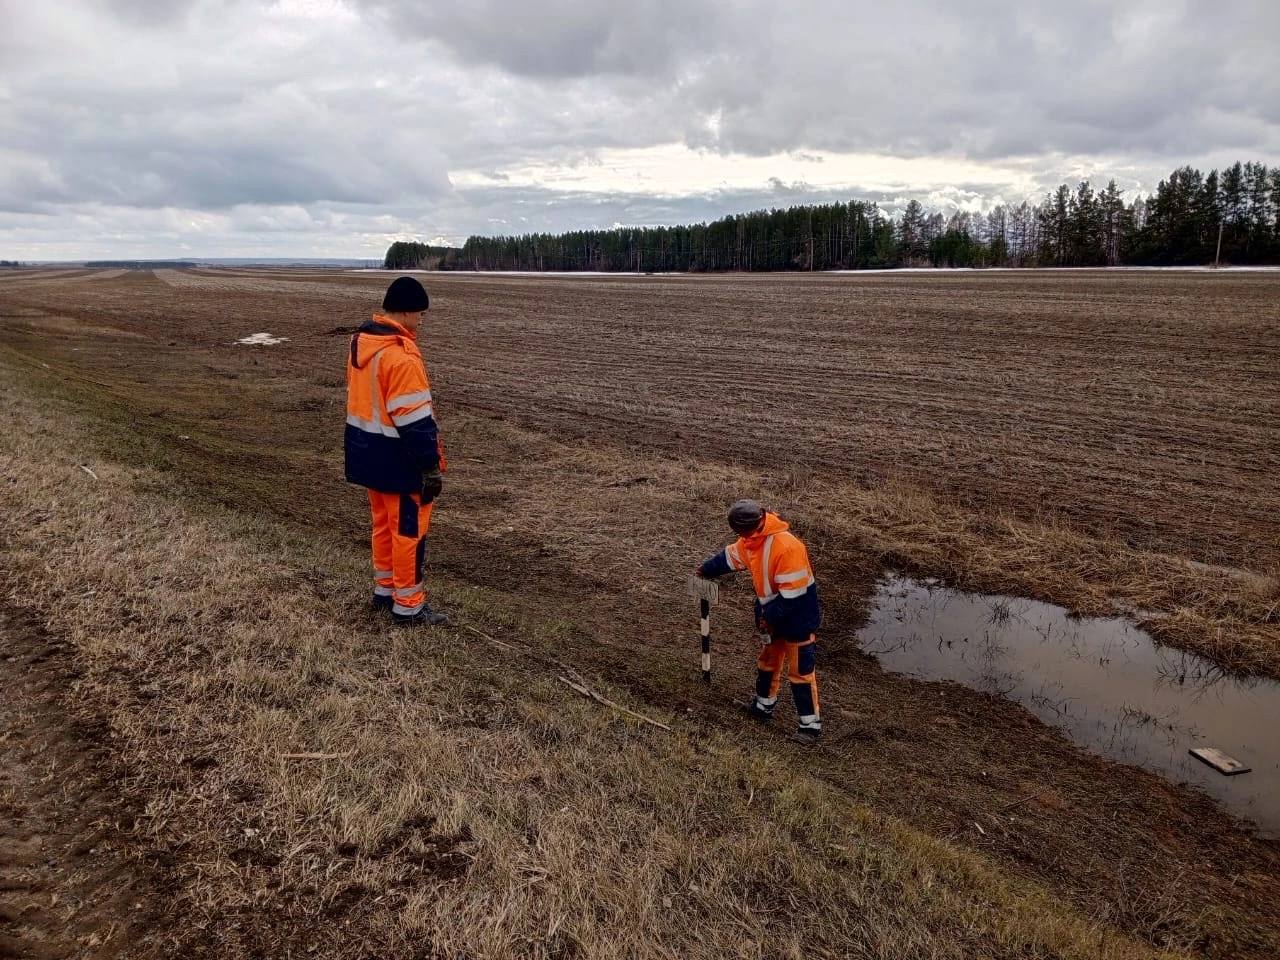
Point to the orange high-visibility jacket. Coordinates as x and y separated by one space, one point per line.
786 589
391 437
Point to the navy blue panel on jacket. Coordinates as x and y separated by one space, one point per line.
793 618
379 463
715 566
421 442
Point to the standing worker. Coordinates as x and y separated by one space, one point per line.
787 610
393 448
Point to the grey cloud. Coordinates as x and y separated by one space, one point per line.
558 38
912 78
217 164
206 130
151 13
135 119
794 189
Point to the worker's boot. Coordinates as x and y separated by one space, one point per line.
810 729
756 712
426 616
382 604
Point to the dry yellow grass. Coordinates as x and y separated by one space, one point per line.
1067 437
644 535
472 806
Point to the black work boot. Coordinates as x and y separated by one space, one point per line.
757 712
382 604
807 735
426 616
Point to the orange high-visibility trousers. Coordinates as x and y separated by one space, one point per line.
801 662
400 524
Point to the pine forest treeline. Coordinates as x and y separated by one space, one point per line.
410 255
1080 227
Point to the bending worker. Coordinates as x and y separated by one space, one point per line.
788 612
393 448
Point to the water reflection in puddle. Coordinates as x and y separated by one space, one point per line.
1104 682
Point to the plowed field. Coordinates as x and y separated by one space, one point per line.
1142 405
1108 441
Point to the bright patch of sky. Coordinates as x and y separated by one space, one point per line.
675 169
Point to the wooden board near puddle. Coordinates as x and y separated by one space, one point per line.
1104 682
1227 766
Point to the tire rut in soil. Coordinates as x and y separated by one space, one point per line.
70 881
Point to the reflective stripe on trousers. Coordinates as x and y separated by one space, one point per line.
800 659
400 525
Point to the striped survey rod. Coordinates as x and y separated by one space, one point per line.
707 592
704 610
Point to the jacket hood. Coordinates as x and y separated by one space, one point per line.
772 524
378 334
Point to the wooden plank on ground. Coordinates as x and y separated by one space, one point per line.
1227 766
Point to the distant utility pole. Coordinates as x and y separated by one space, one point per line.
1218 254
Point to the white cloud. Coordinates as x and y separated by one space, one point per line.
329 127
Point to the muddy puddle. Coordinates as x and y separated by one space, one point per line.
1102 681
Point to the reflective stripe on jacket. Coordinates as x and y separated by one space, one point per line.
786 589
391 437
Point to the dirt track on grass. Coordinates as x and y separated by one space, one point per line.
591 418
70 882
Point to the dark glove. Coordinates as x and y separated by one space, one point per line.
762 625
432 484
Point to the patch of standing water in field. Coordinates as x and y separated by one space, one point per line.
261 340
1102 681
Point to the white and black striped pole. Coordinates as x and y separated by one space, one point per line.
707 592
705 609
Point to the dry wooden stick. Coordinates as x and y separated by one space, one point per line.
1019 802
581 686
588 692
313 756
481 633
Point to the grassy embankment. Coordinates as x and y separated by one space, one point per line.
459 800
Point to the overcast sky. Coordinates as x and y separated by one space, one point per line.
131 128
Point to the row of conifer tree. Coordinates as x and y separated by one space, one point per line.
1183 222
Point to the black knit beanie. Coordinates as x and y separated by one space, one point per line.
405 295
